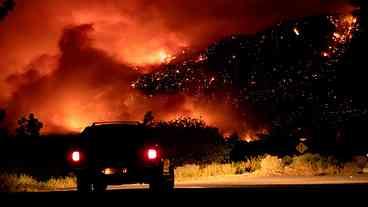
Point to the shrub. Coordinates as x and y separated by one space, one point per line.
313 165
361 161
193 172
349 169
287 160
253 164
17 183
308 164
60 183
270 166
25 183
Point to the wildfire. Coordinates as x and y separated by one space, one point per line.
75 124
250 136
345 27
201 58
160 57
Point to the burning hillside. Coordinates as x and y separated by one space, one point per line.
84 61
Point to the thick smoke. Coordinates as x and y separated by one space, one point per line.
135 31
85 85
89 85
72 62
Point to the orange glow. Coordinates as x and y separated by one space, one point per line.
159 57
201 58
350 19
248 138
162 55
250 135
85 76
337 35
128 39
70 115
74 124
219 115
345 27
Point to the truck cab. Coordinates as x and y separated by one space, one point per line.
116 153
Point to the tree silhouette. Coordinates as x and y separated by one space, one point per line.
183 123
30 127
2 115
148 118
34 126
3 131
362 13
21 131
6 7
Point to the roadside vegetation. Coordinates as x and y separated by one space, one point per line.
26 183
306 165
265 165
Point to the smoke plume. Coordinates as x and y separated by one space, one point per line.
73 62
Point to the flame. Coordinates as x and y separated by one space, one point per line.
160 57
345 27
251 135
201 58
75 124
133 33
218 115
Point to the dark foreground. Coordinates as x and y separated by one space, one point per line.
242 183
293 191
264 195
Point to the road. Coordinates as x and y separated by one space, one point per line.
232 190
245 182
311 191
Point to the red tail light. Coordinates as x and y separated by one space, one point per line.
76 156
152 154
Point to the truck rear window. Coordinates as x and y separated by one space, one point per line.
112 135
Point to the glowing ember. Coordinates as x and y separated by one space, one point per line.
325 54
296 31
164 57
345 27
250 136
201 58
159 57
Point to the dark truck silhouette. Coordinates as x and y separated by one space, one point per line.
114 153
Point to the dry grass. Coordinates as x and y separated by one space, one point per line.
350 168
304 165
25 183
17 183
252 164
60 183
193 172
270 166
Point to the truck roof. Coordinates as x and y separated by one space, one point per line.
117 123
115 130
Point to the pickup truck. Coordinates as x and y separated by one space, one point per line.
116 153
